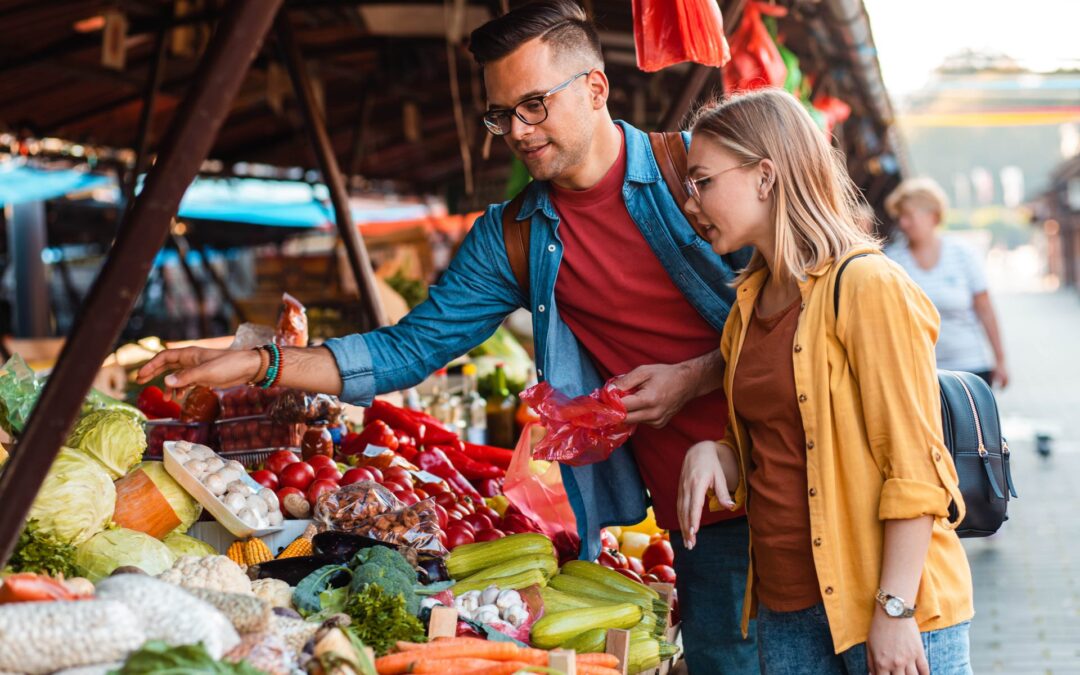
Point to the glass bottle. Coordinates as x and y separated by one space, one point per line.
474 420
317 441
501 407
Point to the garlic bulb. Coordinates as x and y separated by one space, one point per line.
508 599
489 595
516 615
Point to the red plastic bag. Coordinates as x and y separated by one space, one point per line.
667 32
755 60
292 328
535 487
582 430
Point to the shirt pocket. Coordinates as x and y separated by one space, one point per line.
699 254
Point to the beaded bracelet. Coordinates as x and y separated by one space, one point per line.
273 371
263 363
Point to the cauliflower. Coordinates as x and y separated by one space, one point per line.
215 572
274 591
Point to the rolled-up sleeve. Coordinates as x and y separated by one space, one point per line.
471 299
889 328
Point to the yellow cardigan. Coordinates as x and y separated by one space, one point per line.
869 401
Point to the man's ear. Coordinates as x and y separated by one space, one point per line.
599 88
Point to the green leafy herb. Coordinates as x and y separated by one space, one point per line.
380 620
43 553
158 658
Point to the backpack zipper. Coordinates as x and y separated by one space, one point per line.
1008 471
982 448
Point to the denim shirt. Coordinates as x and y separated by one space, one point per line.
478 291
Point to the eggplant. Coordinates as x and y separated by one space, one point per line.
342 546
291 570
432 569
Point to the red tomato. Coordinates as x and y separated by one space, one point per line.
658 553
328 473
467 502
435 488
442 515
478 521
608 540
442 539
407 497
355 476
517 523
630 574
319 487
319 462
665 573
458 536
279 460
420 494
376 474
394 487
635 565
456 522
265 478
298 475
608 560
491 513
650 579
446 500
398 475
490 534
457 511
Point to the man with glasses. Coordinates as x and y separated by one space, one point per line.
619 284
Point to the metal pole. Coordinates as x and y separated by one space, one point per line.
324 151
182 250
222 286
26 241
187 143
146 115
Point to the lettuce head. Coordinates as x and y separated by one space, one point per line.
114 438
77 499
97 557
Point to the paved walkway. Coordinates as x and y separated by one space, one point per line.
1027 578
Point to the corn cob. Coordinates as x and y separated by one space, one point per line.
237 553
256 551
511 583
301 546
554 629
469 559
607 577
546 564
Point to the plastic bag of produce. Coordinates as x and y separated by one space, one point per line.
535 487
77 499
667 32
582 430
97 557
370 510
19 390
292 328
182 544
149 500
114 438
756 62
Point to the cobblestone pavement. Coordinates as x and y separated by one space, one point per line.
1027 577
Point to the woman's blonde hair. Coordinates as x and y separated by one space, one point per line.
814 212
922 191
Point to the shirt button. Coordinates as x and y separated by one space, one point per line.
828 590
813 492
798 348
541 308
551 248
802 398
802 306
817 541
809 445
937 456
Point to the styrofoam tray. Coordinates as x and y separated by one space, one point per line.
210 502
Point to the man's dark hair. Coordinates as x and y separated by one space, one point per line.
561 23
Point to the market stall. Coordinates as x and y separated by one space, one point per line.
256 529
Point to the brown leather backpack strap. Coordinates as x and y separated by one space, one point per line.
516 239
670 152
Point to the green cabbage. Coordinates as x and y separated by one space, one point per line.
182 544
111 437
184 505
96 400
77 499
105 551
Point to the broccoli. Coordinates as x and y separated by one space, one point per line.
387 569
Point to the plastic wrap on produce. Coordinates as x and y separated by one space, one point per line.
368 509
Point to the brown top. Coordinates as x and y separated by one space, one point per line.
779 513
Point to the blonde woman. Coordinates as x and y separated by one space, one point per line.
835 444
952 276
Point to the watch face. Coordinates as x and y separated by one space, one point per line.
894 607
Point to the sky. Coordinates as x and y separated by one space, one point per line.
914 36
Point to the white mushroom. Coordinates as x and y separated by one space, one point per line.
215 464
235 502
200 452
256 504
275 518
239 487
268 496
250 518
508 599
196 467
230 476
215 485
235 466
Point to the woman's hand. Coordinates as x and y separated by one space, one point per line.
1000 376
210 367
702 470
894 646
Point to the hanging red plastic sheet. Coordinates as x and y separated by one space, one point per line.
833 110
667 32
755 60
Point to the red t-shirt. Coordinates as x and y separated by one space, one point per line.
623 307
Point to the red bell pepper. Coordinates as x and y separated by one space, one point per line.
472 469
489 454
492 487
152 402
379 433
408 451
435 461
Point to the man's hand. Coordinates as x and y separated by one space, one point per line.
209 367
659 391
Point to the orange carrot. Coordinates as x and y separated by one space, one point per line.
586 669
448 666
437 642
400 663
603 660
506 668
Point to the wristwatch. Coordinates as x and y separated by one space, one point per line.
894 606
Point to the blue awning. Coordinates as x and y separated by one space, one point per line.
20 184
